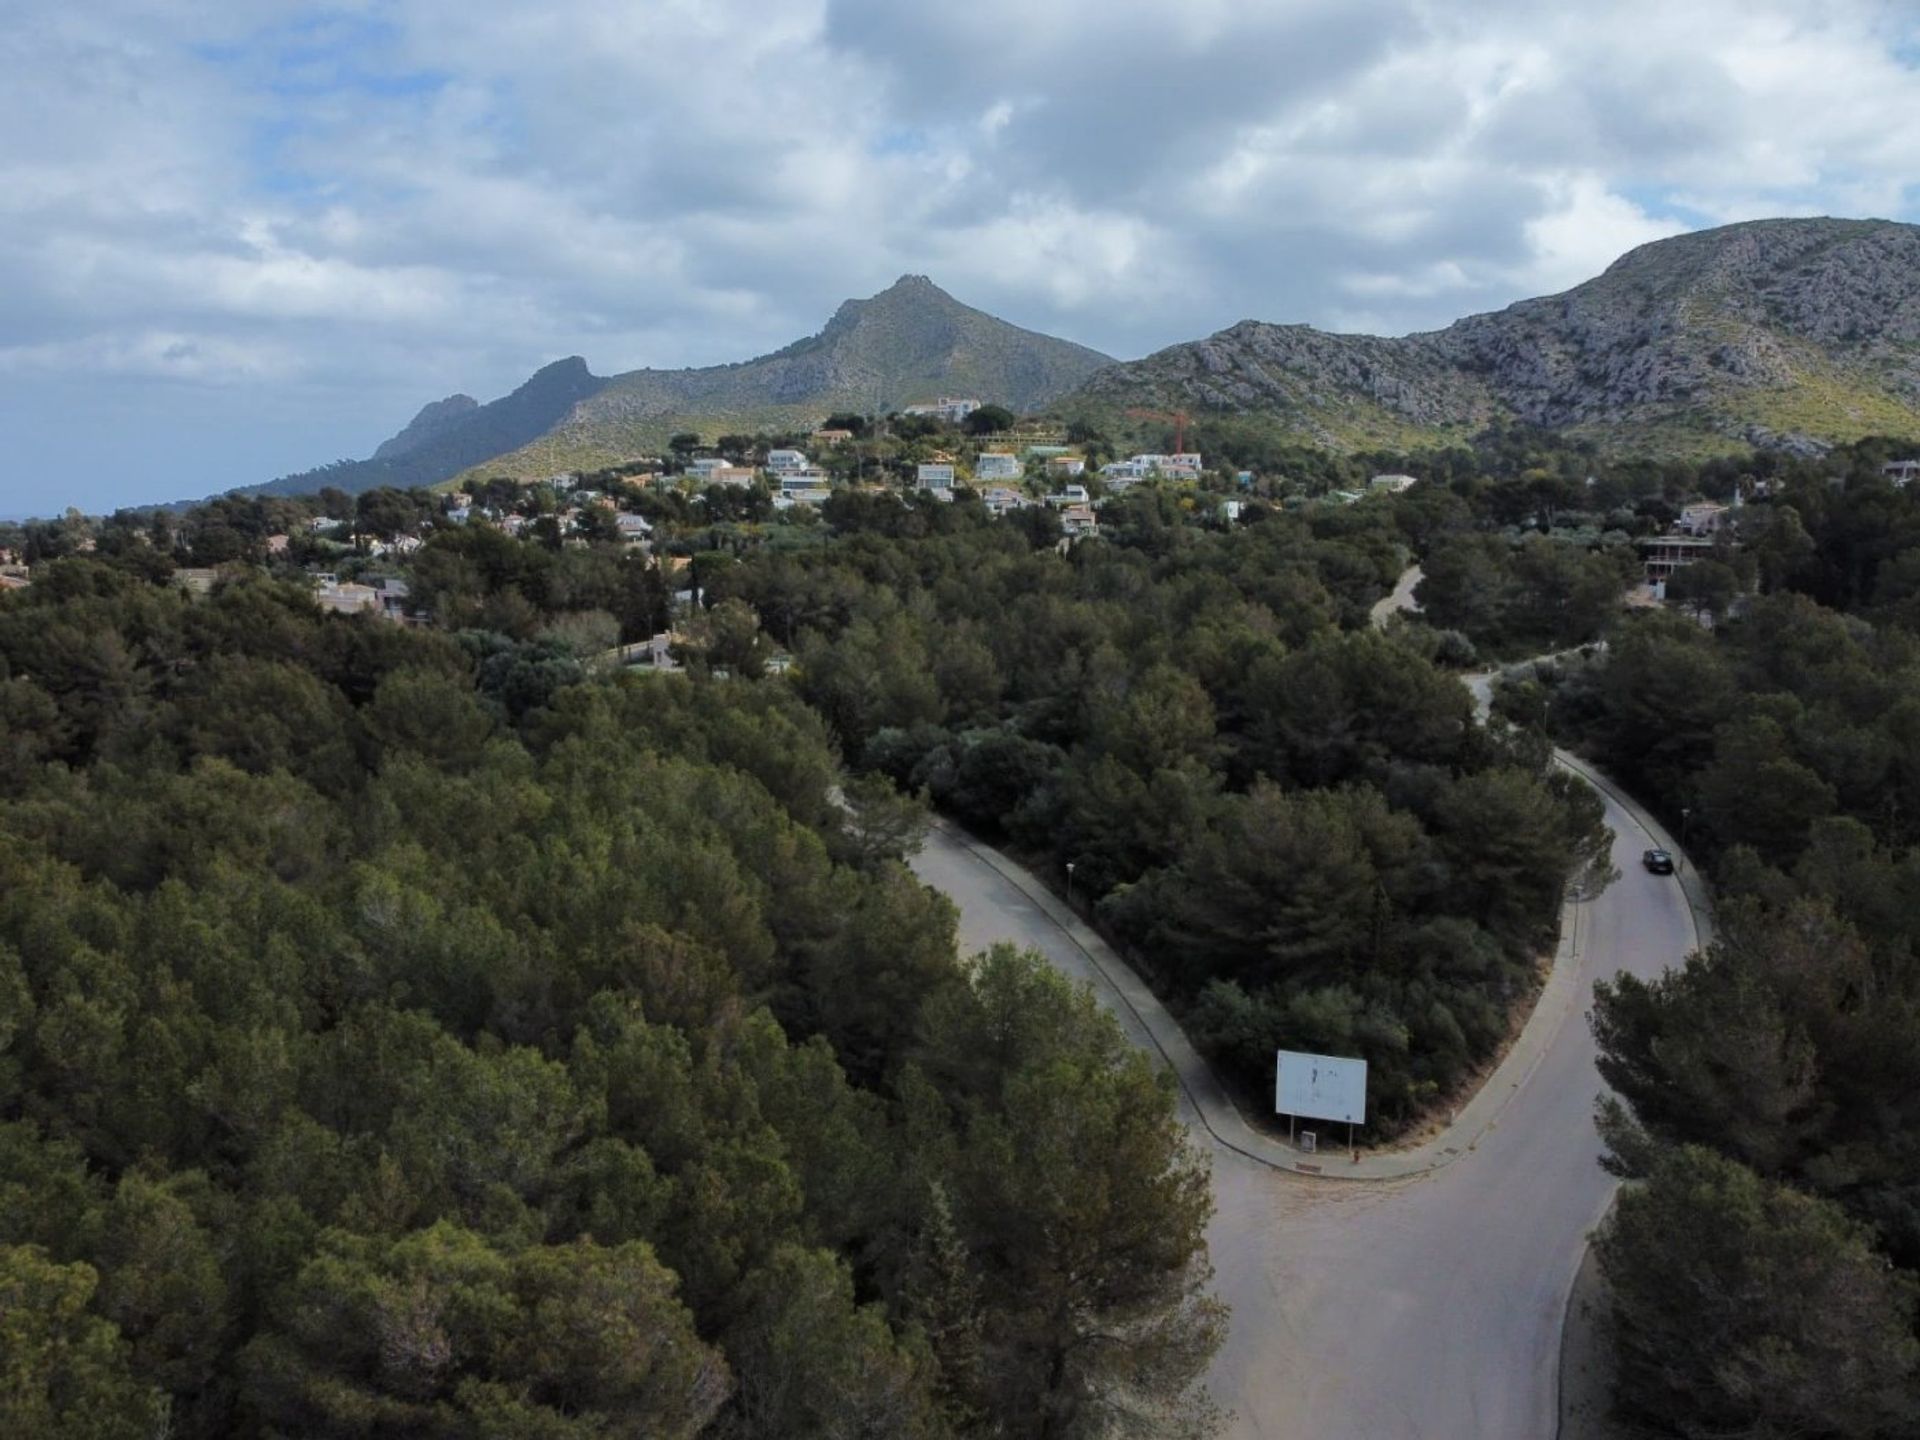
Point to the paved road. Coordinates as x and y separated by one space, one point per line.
1427 1308
1400 597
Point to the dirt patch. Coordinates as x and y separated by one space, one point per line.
1586 1362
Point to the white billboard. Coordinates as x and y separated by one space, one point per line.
1321 1087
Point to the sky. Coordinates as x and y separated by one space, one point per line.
241 238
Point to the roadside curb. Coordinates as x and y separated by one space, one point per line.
1215 1108
1699 909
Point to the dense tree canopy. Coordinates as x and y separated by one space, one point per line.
401 1033
1288 819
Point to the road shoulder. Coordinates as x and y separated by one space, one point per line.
1586 1360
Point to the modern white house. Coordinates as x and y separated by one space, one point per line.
1902 472
935 477
1121 473
1392 484
1003 500
803 487
997 465
786 462
950 410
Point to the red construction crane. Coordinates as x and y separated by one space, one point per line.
1177 418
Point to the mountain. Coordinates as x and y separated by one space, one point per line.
450 435
433 420
911 342
1782 332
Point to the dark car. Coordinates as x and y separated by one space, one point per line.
1658 862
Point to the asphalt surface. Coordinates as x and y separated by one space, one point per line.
1400 597
1430 1307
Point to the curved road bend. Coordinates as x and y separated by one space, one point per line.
1427 1308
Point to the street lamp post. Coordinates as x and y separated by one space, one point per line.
1686 815
1069 884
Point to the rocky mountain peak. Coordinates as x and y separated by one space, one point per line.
433 419
1802 329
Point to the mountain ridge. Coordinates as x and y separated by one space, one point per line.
1797 333
910 342
440 442
1786 332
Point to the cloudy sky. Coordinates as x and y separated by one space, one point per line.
240 238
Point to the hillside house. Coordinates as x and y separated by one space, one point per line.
350 599
738 476
634 529
1070 495
1121 473
947 409
1078 522
1065 466
1901 472
803 487
997 465
934 477
1703 517
1392 484
1003 500
831 437
1664 554
786 462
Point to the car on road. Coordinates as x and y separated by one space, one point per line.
1658 862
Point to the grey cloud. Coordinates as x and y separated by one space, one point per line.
685 184
1111 111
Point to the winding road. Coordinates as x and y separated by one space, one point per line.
1425 1307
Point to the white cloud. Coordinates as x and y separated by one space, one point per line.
339 214
1587 228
